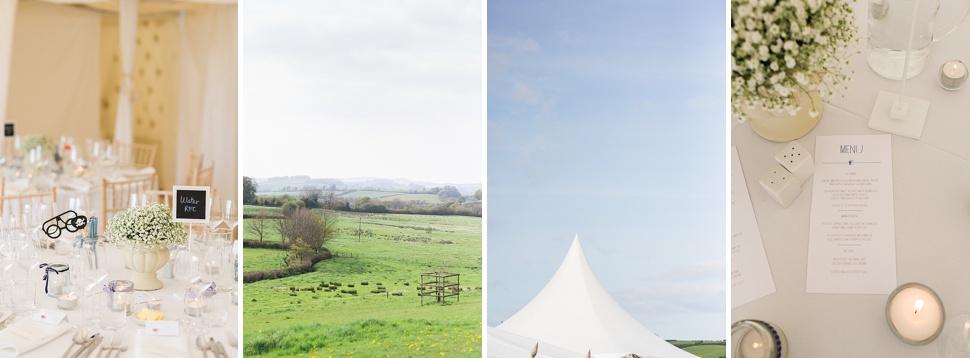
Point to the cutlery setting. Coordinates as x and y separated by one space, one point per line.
206 345
86 344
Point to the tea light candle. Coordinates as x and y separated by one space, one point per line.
752 345
67 302
758 339
194 308
953 74
154 305
54 289
212 268
915 313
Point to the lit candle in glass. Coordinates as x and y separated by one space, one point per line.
194 308
212 268
758 339
953 74
915 313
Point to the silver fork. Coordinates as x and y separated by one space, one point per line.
121 346
112 344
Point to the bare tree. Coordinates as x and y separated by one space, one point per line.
280 225
257 225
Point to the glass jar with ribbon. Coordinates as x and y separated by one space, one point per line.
56 278
120 295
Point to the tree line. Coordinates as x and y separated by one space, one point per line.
452 202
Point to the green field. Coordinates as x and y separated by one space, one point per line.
295 316
373 194
708 349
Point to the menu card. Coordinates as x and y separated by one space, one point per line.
852 238
750 275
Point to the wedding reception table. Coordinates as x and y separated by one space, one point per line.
170 297
931 187
70 186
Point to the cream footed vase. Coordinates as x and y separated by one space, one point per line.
144 262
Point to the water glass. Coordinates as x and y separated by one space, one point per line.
23 294
216 312
109 318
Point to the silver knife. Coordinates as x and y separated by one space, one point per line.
222 349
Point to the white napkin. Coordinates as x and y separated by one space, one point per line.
26 335
147 346
132 173
78 184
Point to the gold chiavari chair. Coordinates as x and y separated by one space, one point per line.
204 177
136 154
116 196
13 206
195 166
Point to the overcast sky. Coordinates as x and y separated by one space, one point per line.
606 120
389 89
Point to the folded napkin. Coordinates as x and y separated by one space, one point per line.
132 173
27 334
78 184
147 346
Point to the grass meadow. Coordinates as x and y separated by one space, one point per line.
384 317
373 194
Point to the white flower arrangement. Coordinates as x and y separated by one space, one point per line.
782 47
30 142
146 226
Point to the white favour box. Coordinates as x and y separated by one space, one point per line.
797 160
781 185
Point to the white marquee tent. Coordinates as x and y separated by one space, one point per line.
576 314
151 71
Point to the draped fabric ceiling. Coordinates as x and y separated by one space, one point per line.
148 71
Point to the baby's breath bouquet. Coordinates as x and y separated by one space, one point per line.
782 47
30 142
146 226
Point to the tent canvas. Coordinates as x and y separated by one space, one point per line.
573 311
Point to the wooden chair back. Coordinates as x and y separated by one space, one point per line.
13 206
136 154
204 177
116 196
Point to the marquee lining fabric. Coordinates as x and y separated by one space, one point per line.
575 312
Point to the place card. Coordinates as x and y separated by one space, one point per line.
49 317
162 328
750 274
191 204
852 237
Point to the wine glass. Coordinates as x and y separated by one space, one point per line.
230 217
214 218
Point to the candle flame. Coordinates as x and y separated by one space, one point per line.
755 345
918 306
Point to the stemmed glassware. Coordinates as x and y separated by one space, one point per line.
214 218
230 217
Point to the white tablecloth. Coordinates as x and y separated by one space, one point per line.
171 306
931 182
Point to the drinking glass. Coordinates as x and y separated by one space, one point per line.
90 267
217 263
229 215
109 318
216 312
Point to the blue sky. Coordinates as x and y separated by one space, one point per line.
607 120
337 89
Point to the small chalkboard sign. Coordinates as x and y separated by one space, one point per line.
191 204
8 130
